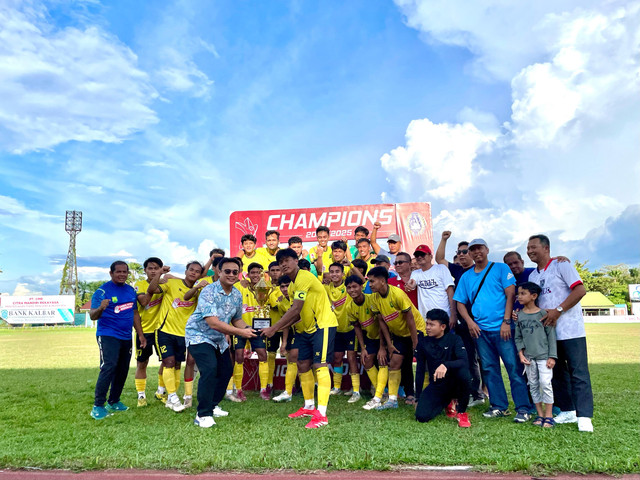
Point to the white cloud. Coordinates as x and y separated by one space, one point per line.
25 290
66 84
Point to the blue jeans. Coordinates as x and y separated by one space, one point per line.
491 348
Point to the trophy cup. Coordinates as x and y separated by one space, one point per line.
262 318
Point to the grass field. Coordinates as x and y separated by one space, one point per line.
47 378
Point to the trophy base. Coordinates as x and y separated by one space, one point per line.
261 323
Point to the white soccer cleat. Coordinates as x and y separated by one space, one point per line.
283 397
204 422
371 404
218 412
566 417
188 401
335 391
584 424
174 404
355 397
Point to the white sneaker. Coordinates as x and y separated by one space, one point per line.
355 397
204 422
188 401
335 391
476 402
174 404
371 404
218 412
349 392
566 417
584 424
283 397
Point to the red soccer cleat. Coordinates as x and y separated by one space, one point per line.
241 396
264 395
303 412
463 420
317 421
451 409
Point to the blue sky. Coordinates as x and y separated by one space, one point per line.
158 119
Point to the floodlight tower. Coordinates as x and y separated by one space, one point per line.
69 282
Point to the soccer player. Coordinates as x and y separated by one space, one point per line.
115 307
321 251
210 266
289 348
365 252
315 326
345 335
149 310
219 312
359 233
178 303
364 321
272 242
258 344
249 254
338 255
401 326
273 343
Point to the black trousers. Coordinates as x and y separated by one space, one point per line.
215 371
462 330
115 355
571 380
438 394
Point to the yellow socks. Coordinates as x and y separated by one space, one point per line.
337 379
141 385
307 384
230 385
271 358
372 373
355 382
394 383
238 372
176 373
188 387
161 386
290 377
169 380
324 388
381 383
263 373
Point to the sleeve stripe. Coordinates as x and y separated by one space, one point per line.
575 284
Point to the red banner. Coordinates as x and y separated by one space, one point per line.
412 221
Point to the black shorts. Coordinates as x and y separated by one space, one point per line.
291 339
143 354
241 342
345 341
170 346
316 346
404 345
372 345
273 343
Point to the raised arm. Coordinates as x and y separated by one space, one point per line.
442 247
374 237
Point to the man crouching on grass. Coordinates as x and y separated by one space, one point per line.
448 370
219 313
115 306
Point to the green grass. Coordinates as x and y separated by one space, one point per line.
47 379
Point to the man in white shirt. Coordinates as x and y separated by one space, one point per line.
562 290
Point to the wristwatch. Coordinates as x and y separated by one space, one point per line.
560 310
507 321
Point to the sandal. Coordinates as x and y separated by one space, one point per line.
410 400
539 421
548 423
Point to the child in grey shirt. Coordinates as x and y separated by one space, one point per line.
536 346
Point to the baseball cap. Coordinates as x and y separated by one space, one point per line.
423 249
478 241
394 237
382 258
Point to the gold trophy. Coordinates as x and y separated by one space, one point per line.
262 318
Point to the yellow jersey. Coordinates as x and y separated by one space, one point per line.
266 257
316 311
338 298
364 315
249 304
274 312
327 258
393 307
255 258
149 315
284 304
175 310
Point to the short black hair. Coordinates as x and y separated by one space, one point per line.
294 240
339 245
438 315
544 240
464 242
235 260
219 251
155 260
362 229
363 240
253 265
404 254
273 264
195 262
361 264
113 266
216 261
249 237
272 232
304 264
531 288
284 279
353 279
508 254
286 252
379 272
336 264
322 228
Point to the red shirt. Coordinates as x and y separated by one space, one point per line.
413 294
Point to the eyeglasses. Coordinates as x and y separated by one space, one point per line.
228 271
400 262
419 255
462 252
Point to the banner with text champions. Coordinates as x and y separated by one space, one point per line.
412 221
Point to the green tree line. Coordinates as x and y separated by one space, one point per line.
611 280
